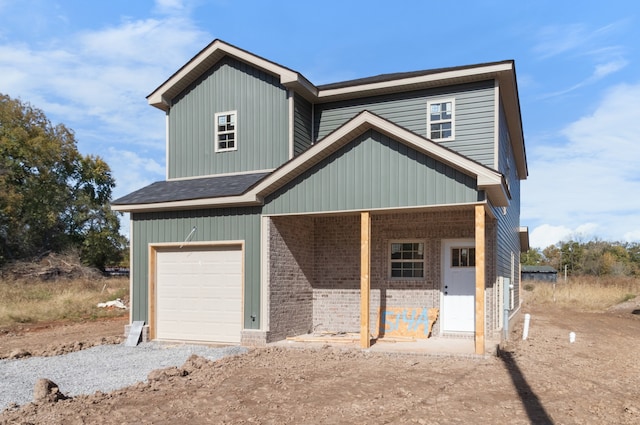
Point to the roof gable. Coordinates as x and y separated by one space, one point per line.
502 72
161 97
373 172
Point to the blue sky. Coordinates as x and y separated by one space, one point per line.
89 65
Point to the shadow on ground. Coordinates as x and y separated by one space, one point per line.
534 408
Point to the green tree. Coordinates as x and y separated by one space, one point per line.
553 257
52 198
572 256
533 257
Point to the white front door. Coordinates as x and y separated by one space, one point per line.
458 286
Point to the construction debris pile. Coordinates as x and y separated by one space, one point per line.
50 266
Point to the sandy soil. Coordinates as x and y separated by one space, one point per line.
543 380
56 338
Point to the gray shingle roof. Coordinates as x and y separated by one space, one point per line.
538 269
401 75
183 190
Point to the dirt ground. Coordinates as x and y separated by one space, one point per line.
543 380
56 338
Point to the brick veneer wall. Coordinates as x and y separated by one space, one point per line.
336 284
291 254
316 266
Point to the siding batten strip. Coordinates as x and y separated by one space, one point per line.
480 277
365 271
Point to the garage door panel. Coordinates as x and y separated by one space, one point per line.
199 294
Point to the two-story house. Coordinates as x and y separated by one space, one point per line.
290 207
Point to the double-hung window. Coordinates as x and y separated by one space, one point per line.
406 260
441 119
226 132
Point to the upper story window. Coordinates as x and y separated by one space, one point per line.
441 119
406 260
226 133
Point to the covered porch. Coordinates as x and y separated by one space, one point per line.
356 273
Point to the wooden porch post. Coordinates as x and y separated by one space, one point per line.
365 284
480 277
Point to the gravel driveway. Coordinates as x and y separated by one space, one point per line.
102 368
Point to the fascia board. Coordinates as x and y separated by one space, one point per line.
236 201
523 232
325 95
158 99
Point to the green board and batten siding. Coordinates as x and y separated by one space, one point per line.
262 130
373 172
302 131
474 116
223 224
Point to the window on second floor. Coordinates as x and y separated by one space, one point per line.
226 133
441 119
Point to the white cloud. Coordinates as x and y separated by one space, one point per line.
591 174
133 170
555 39
95 82
545 235
592 54
169 6
578 39
632 236
600 71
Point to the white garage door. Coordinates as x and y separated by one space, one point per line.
199 294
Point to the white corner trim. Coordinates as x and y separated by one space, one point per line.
291 96
264 273
166 145
496 124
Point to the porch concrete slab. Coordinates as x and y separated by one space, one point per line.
435 346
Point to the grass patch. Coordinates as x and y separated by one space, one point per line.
587 293
34 301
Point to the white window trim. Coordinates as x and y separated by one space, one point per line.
424 259
453 118
235 131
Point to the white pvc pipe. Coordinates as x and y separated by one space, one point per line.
525 331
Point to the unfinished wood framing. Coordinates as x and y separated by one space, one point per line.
365 273
480 221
